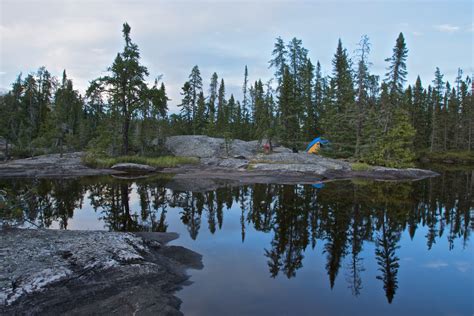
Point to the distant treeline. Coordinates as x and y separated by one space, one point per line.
372 119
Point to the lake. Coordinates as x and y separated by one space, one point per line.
353 247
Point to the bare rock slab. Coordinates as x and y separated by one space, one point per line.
133 168
58 272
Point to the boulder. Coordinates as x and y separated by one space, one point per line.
208 147
133 168
195 146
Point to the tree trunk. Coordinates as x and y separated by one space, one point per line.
125 128
433 123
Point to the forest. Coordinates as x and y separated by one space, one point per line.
374 119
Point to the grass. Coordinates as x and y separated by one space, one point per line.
157 162
360 166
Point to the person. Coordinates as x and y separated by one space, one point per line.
266 148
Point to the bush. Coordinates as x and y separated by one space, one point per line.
360 166
94 161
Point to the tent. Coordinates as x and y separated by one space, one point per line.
315 145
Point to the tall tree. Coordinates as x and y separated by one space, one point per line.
221 122
279 60
126 84
362 79
195 82
211 111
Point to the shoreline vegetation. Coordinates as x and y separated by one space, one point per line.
367 118
103 162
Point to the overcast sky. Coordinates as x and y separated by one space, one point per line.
83 37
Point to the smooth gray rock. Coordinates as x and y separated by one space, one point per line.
51 166
208 147
133 168
232 163
59 272
195 146
284 168
291 160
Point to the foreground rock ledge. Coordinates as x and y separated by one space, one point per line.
91 272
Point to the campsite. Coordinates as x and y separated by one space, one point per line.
236 157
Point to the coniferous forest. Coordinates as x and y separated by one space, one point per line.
377 119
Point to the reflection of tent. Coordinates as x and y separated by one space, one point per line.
318 185
315 145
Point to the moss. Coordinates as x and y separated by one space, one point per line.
360 166
157 162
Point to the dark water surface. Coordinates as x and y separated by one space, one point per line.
343 248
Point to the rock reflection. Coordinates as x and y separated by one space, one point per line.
342 216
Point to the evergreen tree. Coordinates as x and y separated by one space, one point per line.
200 119
126 84
437 99
195 82
211 111
338 122
288 116
221 122
187 107
397 70
363 81
279 60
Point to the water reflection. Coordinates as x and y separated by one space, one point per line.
342 216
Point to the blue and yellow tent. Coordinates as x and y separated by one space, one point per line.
315 145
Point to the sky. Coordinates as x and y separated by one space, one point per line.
223 36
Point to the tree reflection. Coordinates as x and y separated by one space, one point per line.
341 217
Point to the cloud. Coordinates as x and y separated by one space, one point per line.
463 266
416 33
437 264
447 28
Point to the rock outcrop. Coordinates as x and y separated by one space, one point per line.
201 146
133 168
51 166
58 272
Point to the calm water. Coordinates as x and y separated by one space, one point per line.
343 248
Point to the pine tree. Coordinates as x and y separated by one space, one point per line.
200 118
279 60
397 70
310 117
195 82
126 84
288 116
221 122
437 99
211 111
186 106
362 79
339 118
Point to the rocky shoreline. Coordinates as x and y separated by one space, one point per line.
91 272
235 161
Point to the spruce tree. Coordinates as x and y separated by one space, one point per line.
126 84
195 81
221 122
211 106
279 60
